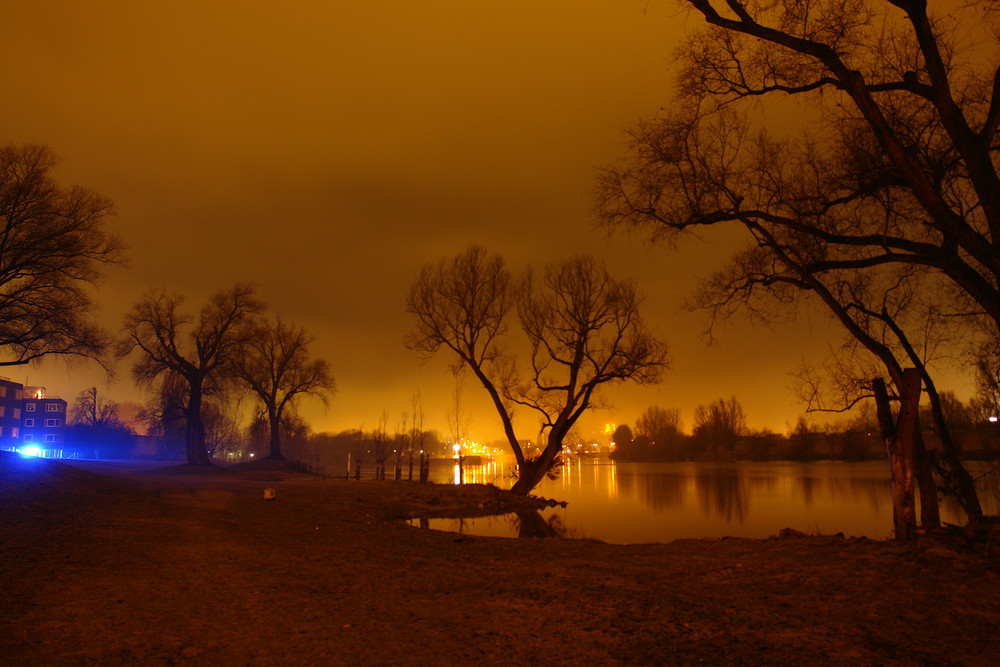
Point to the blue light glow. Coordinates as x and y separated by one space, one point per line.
31 451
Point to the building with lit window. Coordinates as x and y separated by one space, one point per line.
31 420
43 419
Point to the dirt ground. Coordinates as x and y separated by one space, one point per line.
119 566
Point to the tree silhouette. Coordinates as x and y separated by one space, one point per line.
153 328
582 326
892 176
91 409
54 246
720 424
904 121
276 366
95 423
662 427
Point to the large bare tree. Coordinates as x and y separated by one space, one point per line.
155 329
582 327
892 173
54 247
899 119
276 366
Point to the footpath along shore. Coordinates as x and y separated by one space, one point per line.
114 565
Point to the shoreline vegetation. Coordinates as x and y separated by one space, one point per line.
114 564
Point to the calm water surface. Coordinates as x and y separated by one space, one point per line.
658 502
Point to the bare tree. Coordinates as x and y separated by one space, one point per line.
276 366
662 427
92 409
583 330
901 119
876 309
721 423
54 247
96 424
896 174
154 329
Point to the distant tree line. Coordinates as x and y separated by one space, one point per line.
720 431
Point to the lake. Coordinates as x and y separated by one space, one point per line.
627 502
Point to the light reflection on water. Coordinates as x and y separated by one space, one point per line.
659 502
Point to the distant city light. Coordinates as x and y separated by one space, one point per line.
31 451
993 419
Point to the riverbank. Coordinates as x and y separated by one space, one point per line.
173 567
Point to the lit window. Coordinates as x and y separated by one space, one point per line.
18 394
13 431
51 422
29 407
3 392
1 410
17 413
28 423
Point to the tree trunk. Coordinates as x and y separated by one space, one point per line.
899 438
957 478
425 468
530 473
528 477
274 421
966 488
930 510
195 429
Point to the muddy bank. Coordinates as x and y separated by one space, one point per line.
172 567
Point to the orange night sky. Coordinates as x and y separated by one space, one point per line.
325 151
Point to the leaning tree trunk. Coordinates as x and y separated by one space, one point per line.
528 477
899 437
530 473
958 480
930 507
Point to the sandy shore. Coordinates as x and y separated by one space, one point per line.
171 567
